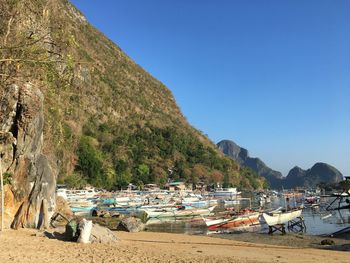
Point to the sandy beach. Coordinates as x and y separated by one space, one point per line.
24 246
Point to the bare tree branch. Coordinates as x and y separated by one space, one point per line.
40 61
8 30
26 44
29 60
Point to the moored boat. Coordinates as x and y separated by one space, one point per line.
74 195
177 212
281 217
225 193
241 220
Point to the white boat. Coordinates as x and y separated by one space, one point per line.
217 221
129 201
226 193
231 202
73 195
276 218
190 199
200 203
177 213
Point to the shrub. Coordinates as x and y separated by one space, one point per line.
75 180
90 162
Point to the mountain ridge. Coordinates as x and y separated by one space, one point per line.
297 177
241 155
319 173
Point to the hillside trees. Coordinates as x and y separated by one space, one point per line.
90 162
136 152
107 121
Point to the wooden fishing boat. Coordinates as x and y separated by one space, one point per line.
241 220
75 195
199 203
177 212
281 217
225 193
214 221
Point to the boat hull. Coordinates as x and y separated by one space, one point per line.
236 222
281 218
179 213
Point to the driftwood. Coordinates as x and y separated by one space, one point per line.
55 218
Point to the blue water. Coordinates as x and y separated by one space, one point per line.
319 221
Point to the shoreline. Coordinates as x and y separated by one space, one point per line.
25 246
290 239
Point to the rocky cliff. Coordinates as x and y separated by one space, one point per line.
241 155
21 142
317 174
297 177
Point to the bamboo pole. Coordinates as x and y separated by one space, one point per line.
2 194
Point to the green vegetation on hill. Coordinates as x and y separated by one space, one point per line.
107 121
148 154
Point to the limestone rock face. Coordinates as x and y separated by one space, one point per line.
317 174
241 155
33 183
11 206
297 177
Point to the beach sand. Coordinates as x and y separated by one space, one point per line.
24 246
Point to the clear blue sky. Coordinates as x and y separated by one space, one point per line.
272 75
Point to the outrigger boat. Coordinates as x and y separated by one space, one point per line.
239 221
280 217
225 193
178 212
343 199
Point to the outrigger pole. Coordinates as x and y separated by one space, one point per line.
2 193
339 197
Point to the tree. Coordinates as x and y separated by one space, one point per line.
75 180
216 177
142 174
345 185
249 179
179 167
90 162
121 166
123 179
187 175
226 182
159 176
110 177
123 174
199 172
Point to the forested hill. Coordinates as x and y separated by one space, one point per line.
107 122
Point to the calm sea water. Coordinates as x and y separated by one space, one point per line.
318 221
